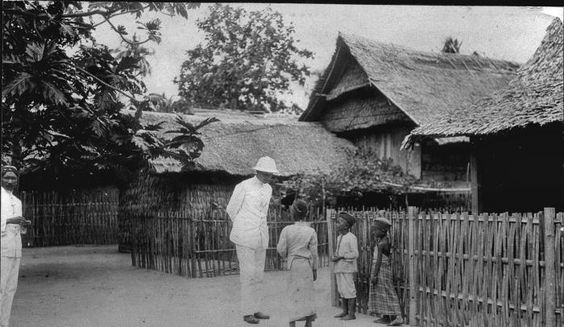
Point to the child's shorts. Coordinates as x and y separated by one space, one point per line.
345 285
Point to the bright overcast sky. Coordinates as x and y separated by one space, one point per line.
510 33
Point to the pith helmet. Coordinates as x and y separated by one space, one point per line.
267 165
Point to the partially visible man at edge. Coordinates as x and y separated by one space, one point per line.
248 208
11 242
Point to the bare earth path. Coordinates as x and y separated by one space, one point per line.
95 286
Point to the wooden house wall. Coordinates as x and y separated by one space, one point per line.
521 172
352 78
446 163
359 109
385 142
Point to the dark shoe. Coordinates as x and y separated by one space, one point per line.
345 307
384 320
260 315
352 309
250 319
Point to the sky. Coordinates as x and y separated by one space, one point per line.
509 33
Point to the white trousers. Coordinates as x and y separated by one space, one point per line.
10 268
345 285
251 274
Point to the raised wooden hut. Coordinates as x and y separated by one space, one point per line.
374 94
516 135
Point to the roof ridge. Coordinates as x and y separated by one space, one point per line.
411 50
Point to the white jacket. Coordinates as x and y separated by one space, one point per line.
248 208
11 238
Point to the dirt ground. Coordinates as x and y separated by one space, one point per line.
95 286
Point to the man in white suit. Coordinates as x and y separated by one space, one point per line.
11 242
247 209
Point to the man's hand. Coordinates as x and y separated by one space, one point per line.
314 275
19 220
336 258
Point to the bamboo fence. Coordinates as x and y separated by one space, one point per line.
489 270
195 243
72 217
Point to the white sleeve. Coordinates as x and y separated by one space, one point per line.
269 197
282 247
236 201
5 210
313 248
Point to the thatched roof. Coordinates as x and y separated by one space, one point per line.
235 143
534 97
423 85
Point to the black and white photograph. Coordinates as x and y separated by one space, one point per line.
281 164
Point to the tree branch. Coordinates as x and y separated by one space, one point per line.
119 14
101 81
24 13
122 37
89 13
75 15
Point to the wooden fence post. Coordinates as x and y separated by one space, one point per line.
334 297
550 272
412 216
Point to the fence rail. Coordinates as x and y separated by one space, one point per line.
73 217
464 270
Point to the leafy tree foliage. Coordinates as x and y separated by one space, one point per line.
451 45
248 59
364 172
62 97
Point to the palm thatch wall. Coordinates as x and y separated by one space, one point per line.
361 109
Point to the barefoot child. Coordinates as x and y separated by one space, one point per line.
383 299
345 265
298 242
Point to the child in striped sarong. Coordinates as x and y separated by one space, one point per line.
383 300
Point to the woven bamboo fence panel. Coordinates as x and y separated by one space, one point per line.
182 243
71 218
191 236
486 270
489 270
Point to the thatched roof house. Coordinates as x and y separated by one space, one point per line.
533 97
375 94
234 143
422 86
516 135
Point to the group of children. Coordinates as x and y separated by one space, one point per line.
298 243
